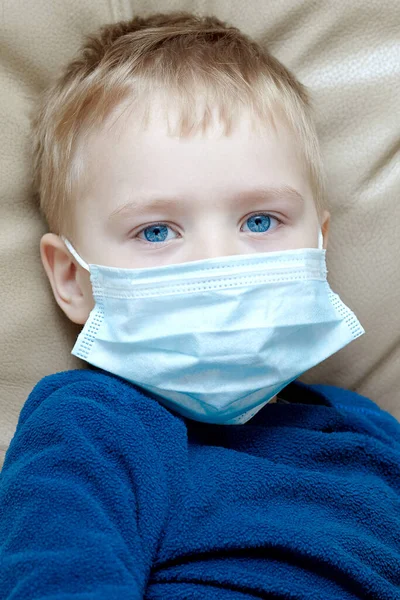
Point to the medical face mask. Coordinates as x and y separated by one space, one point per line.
216 339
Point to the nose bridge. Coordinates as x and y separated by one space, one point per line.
212 241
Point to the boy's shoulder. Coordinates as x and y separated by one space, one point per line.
67 408
353 403
74 391
339 396
82 383
345 398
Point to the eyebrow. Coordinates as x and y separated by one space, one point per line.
255 193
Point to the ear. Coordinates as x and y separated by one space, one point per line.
69 281
326 221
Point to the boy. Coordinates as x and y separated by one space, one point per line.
178 168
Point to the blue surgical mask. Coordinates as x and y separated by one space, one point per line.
216 339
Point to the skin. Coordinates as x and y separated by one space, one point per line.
207 170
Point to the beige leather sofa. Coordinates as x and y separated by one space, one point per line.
347 53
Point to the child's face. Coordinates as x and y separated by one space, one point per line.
216 206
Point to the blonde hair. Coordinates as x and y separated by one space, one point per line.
198 63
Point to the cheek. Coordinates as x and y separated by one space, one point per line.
310 236
305 234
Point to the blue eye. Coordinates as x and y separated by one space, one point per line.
260 223
157 233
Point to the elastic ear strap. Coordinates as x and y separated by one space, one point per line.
75 254
320 240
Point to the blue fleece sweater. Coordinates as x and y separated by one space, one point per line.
107 494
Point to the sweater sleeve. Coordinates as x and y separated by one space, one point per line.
81 501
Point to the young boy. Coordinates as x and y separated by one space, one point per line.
179 171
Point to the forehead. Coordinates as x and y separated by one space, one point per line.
156 133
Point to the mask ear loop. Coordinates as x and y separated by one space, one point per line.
320 240
75 254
